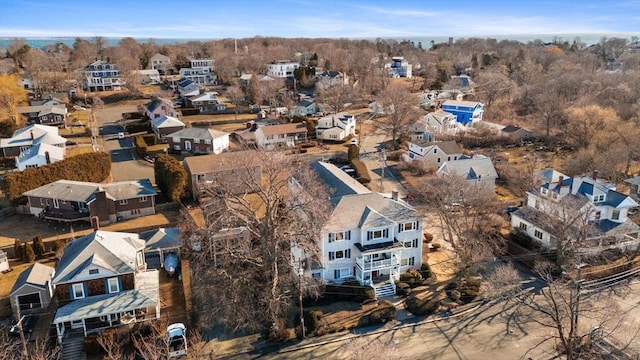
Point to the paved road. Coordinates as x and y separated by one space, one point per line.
125 164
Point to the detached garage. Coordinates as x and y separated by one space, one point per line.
33 290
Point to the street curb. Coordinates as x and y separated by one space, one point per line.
382 331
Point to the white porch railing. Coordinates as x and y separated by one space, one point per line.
377 264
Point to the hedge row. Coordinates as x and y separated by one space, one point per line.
170 176
146 145
91 167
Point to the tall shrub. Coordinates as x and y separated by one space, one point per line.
171 177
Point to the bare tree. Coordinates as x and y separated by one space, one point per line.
246 265
576 320
400 111
236 96
12 95
336 96
467 214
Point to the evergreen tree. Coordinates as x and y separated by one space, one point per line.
38 245
29 254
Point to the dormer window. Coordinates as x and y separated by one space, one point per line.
598 198
615 215
544 191
93 271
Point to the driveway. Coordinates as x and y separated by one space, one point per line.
125 164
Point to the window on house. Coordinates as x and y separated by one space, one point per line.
412 261
544 191
207 141
448 158
598 215
93 271
332 255
341 273
615 215
377 234
123 202
538 234
409 226
143 198
135 211
435 151
339 236
140 258
438 160
343 254
415 243
598 198
113 285
523 226
78 291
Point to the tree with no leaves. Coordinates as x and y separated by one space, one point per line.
244 274
467 214
12 95
576 320
400 111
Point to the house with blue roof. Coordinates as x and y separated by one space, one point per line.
466 112
604 209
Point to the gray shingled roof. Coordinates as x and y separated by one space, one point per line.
447 147
113 251
198 133
208 163
84 191
162 238
36 275
470 168
354 210
338 181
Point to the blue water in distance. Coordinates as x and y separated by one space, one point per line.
588 39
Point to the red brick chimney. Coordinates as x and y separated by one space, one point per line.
595 175
95 223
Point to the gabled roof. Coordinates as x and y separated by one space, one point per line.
156 102
513 129
166 121
290 128
470 169
162 238
550 175
41 133
364 209
113 251
198 133
633 181
305 103
43 109
208 96
159 56
82 191
470 104
210 163
55 153
37 275
338 181
373 219
33 134
447 147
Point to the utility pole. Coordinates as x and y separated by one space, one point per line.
300 273
25 353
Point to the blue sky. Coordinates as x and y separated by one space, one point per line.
306 18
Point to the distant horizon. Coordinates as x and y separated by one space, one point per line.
587 38
354 19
